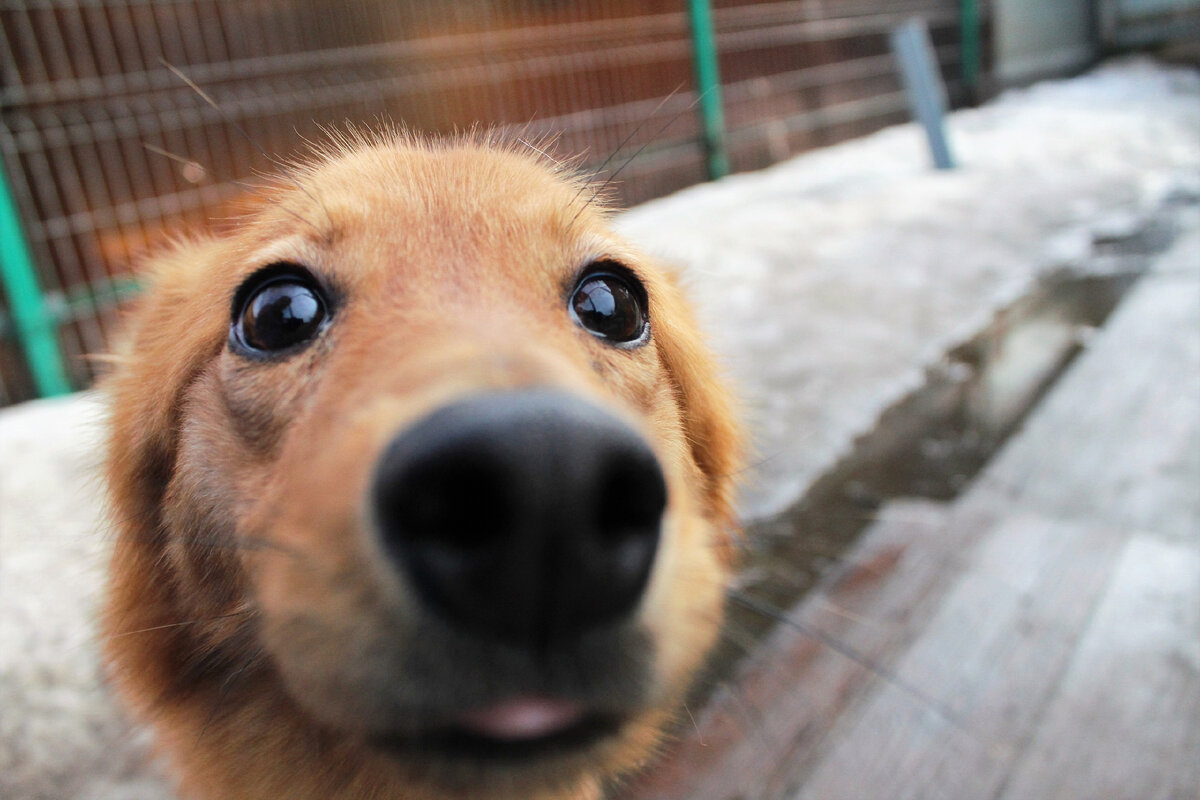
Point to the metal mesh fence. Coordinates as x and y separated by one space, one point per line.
107 149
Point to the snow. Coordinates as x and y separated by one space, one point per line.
61 734
831 282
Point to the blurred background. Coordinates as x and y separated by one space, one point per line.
105 148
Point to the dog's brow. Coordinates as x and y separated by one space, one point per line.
299 248
594 247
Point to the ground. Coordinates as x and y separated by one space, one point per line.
834 286
1036 635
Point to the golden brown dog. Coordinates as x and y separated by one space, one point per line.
422 481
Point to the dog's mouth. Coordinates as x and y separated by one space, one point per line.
522 719
517 729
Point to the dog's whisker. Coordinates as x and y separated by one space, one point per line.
646 144
250 544
540 152
245 544
284 168
695 726
876 668
187 162
242 543
278 203
245 187
755 465
629 137
187 622
720 684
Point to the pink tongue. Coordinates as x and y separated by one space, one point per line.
521 718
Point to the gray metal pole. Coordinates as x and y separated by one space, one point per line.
923 83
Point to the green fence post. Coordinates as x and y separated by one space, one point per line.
971 46
708 82
35 325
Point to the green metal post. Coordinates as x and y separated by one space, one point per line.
708 82
34 324
970 36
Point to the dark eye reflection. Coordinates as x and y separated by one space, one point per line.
609 307
280 311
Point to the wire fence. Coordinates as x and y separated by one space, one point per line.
106 149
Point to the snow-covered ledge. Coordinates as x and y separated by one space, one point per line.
831 281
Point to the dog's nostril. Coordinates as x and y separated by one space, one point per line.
633 497
526 515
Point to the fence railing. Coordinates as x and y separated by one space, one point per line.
105 150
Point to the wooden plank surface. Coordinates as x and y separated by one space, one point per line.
790 692
1105 457
1117 440
1125 724
967 651
991 658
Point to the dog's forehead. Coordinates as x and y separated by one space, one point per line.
442 186
375 210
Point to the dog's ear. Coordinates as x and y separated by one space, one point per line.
172 332
709 416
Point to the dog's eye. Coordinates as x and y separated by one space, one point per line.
279 312
611 306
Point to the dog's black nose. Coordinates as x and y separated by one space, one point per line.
527 515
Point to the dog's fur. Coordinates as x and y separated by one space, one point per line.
249 618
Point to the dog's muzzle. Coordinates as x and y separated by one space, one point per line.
528 516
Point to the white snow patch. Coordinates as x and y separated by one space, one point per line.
831 281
